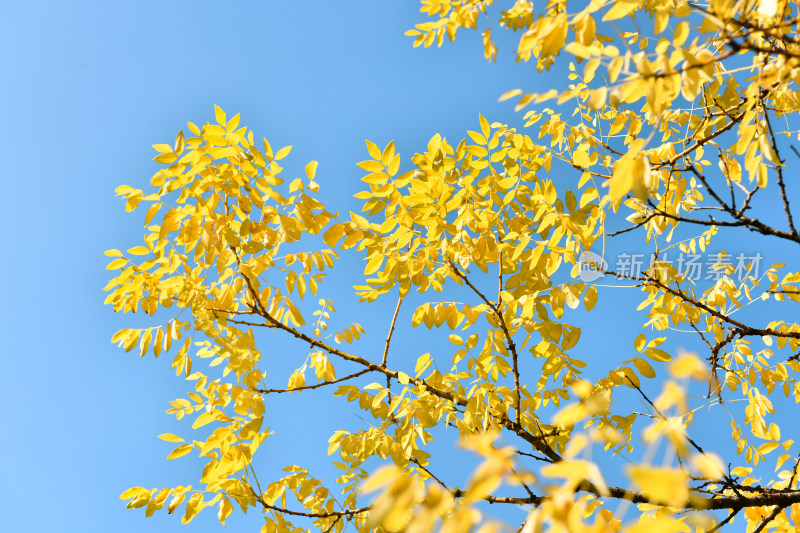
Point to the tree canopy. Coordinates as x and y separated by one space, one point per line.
673 128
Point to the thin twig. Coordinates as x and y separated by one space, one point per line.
318 385
537 442
386 348
661 415
744 330
727 519
331 514
500 280
769 518
779 172
510 342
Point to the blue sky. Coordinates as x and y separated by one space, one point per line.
88 87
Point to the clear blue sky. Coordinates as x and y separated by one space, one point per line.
87 88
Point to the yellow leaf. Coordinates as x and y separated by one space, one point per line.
294 312
251 429
116 263
230 127
580 50
360 221
688 365
193 506
225 510
571 293
374 151
394 165
644 367
169 437
132 202
681 33
380 478
175 502
162 148
297 380
487 477
767 447
388 154
477 137
555 36
590 297
179 143
570 414
373 264
632 171
296 185
311 169
423 362
333 234
472 341
709 465
371 166
581 159
205 418
166 158
597 99
151 213
131 493
180 451
219 114
639 342
510 94
283 152
665 486
621 180
620 9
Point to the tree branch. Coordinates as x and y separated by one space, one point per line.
331 514
537 442
661 415
386 347
511 346
744 330
318 385
779 172
727 519
769 518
